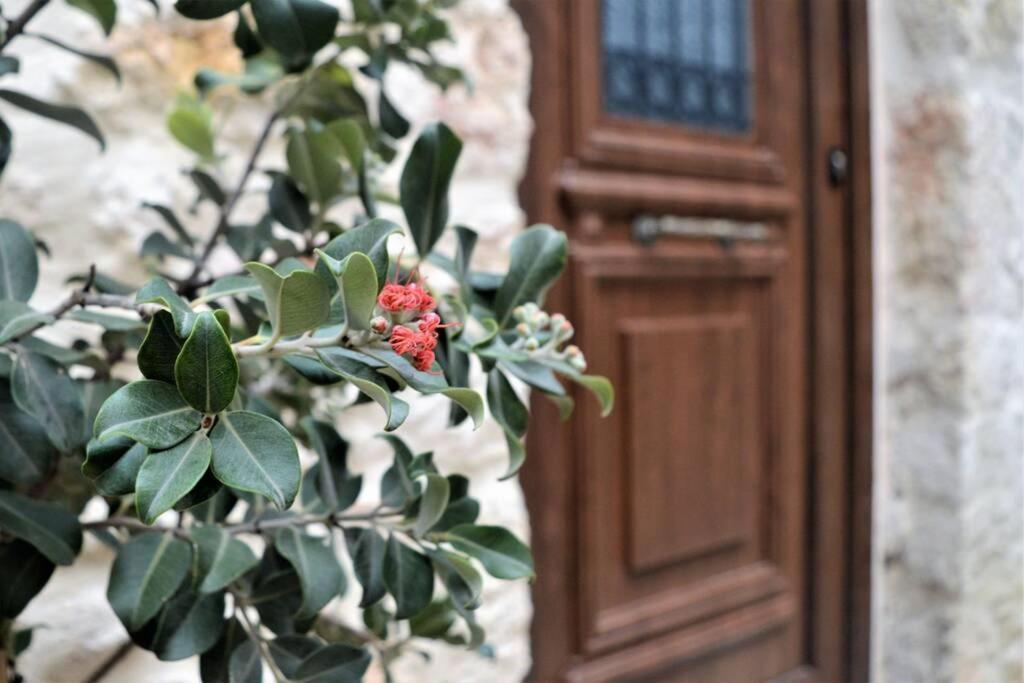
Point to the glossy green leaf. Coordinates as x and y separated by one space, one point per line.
503 555
160 349
6 145
24 571
313 162
191 124
167 476
296 303
27 454
19 265
206 371
119 479
188 625
462 509
295 28
425 182
252 452
245 666
511 415
289 651
207 9
103 11
288 205
172 221
233 286
71 116
409 578
312 369
357 287
538 258
214 663
368 381
463 582
17 318
146 573
43 389
337 487
370 238
150 412
391 120
353 142
112 322
222 558
432 504
319 572
50 528
600 387
102 61
366 547
157 291
334 663
433 622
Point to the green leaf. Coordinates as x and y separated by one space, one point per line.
53 530
462 509
102 61
147 572
252 452
353 142
207 9
104 11
42 389
424 185
337 487
335 663
288 205
6 139
159 349
172 222
433 622
296 303
600 387
432 504
150 412
24 571
511 415
167 476
232 286
191 124
19 266
312 369
71 116
9 65
368 381
538 258
366 547
357 287
17 318
295 28
409 578
206 371
27 452
370 238
536 375
319 572
460 578
208 187
313 162
503 555
214 663
391 120
119 479
222 558
188 625
157 291
112 322
288 651
246 665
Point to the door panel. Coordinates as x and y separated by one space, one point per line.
674 539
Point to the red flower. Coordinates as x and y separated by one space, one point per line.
423 360
403 340
392 298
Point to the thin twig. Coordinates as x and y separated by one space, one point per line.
253 527
17 25
257 639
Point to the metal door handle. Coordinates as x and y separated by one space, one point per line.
647 229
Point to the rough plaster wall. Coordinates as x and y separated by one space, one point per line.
86 206
949 138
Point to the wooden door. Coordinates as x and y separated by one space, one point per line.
708 158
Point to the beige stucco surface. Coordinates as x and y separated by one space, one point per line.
949 197
86 207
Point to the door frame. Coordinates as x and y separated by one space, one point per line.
840 357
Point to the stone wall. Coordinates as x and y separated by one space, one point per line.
949 195
86 206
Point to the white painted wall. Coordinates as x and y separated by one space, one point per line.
86 206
